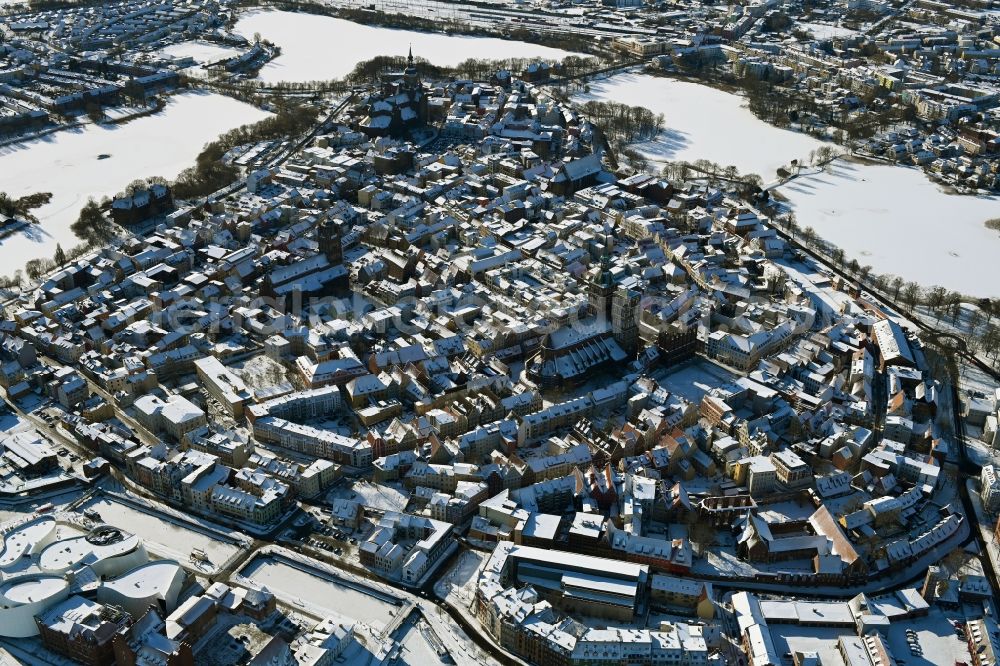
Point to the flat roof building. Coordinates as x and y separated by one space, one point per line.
223 385
590 585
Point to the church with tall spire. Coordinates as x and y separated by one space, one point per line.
401 104
411 75
601 284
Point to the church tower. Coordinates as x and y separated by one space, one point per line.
410 76
625 319
328 237
601 287
267 289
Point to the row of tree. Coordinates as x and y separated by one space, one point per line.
92 225
211 172
476 69
714 172
977 329
21 207
623 123
781 105
36 268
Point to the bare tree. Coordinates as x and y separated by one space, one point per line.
911 294
989 341
976 319
897 284
935 297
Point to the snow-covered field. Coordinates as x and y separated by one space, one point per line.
261 372
66 164
704 123
161 536
378 496
725 562
693 380
418 645
282 578
459 582
825 30
202 52
322 47
59 502
896 220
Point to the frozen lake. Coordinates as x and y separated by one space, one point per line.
161 536
317 47
897 221
202 52
282 578
704 123
66 164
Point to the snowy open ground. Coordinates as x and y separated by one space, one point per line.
66 164
825 30
897 221
282 578
418 644
202 52
315 48
694 379
377 496
261 372
160 535
704 123
459 582
58 501
938 641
